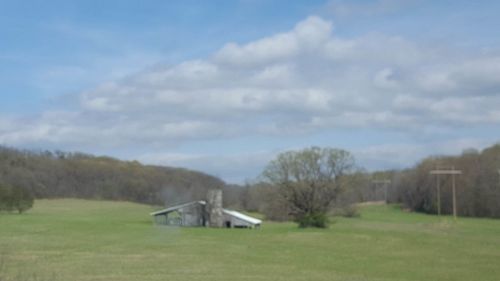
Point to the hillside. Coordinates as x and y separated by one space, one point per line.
116 241
60 175
477 187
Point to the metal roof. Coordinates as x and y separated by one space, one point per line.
242 217
174 208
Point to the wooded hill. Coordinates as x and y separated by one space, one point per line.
59 174
478 187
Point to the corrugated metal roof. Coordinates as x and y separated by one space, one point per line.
242 217
171 209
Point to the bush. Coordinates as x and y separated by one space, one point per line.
319 220
5 198
15 199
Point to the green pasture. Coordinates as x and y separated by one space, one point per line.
78 240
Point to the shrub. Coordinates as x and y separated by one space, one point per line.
15 199
313 220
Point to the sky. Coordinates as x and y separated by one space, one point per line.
224 86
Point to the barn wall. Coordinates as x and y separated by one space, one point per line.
192 215
160 219
235 222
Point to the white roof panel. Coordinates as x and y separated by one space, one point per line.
242 217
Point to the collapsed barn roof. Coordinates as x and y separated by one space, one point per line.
232 218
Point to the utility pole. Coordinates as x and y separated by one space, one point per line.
454 195
385 183
438 195
451 172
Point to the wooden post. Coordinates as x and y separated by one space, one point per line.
438 195
454 196
385 183
385 193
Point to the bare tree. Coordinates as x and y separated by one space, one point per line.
309 180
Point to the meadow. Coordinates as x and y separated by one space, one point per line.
78 240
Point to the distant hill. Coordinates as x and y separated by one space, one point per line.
58 174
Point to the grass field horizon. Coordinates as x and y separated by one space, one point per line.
71 239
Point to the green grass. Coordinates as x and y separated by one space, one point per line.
96 240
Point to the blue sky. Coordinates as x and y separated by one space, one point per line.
223 86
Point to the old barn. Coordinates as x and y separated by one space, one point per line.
205 213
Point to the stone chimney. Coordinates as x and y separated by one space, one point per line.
214 208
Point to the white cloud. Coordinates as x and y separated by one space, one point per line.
307 77
302 80
307 36
241 166
405 155
237 167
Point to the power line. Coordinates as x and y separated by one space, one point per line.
451 172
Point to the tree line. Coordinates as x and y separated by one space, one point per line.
48 174
310 184
307 185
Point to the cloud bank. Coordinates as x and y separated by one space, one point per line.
303 81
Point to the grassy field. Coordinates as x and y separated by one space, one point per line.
90 240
